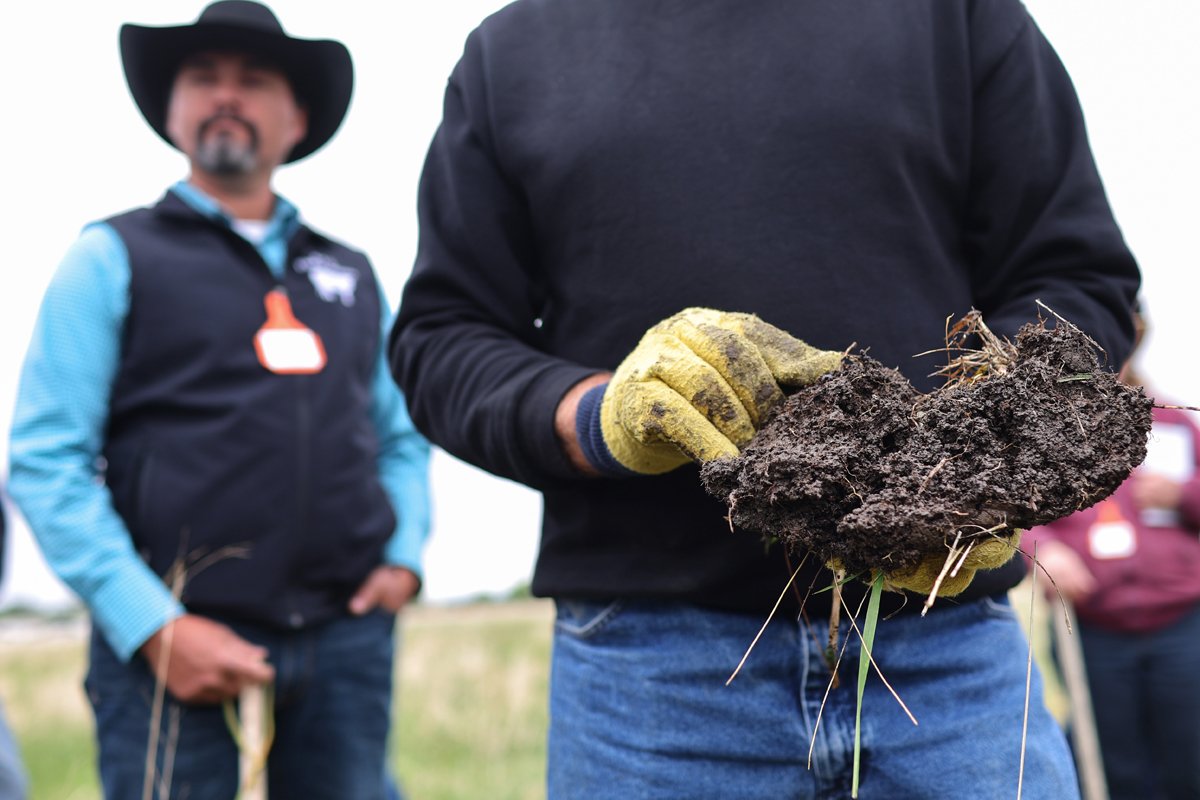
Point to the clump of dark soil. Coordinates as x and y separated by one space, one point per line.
868 473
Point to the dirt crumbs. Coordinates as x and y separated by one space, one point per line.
863 469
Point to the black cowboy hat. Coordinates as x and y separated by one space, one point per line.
319 70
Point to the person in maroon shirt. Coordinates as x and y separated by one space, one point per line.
1131 566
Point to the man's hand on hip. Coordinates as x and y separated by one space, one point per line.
387 587
205 661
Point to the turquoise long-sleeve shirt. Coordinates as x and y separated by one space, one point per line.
62 409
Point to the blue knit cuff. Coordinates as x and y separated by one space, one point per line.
591 436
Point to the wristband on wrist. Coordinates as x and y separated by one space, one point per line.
591 436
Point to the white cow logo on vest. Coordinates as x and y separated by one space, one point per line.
333 281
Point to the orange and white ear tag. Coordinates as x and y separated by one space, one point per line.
1111 535
285 345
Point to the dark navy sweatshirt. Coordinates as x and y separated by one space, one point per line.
853 171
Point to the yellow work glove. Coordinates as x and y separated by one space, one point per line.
697 387
990 554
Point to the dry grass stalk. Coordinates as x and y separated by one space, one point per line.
1062 600
829 687
770 616
993 356
252 728
150 772
183 569
951 557
839 578
832 684
878 671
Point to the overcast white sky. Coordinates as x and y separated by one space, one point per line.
75 149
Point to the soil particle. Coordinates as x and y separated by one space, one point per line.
864 470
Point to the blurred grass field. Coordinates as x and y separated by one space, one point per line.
471 711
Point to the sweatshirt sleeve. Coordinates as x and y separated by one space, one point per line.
403 464
463 346
56 440
1037 223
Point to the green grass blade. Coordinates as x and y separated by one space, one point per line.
864 667
842 582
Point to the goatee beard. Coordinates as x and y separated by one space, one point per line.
221 154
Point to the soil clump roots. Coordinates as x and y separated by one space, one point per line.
871 475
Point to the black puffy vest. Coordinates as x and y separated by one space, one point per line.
265 487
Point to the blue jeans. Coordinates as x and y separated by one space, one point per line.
639 708
12 774
1147 707
332 695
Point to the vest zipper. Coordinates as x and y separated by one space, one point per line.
303 432
296 616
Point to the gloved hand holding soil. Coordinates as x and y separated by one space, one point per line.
870 475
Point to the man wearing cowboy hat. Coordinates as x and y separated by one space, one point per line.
207 442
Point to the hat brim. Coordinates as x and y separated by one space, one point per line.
319 70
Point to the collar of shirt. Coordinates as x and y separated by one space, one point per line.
284 222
